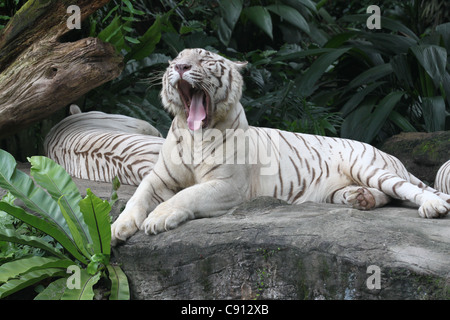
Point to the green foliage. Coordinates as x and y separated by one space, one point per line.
398 79
315 74
79 229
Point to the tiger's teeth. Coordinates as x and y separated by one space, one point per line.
193 86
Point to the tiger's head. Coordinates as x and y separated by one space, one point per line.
201 87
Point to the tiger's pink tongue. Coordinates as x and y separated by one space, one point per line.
197 111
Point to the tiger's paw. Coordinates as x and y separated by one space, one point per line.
126 224
164 218
361 198
435 208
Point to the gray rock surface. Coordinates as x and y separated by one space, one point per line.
269 250
266 249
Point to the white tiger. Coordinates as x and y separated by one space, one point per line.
442 181
99 146
202 90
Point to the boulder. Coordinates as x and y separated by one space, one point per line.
265 249
422 153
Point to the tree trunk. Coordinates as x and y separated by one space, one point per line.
38 73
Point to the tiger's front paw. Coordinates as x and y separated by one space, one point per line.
165 217
127 224
434 208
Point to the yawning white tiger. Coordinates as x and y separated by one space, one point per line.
202 90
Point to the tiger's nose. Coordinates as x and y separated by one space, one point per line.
182 68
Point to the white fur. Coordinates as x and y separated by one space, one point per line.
442 181
307 167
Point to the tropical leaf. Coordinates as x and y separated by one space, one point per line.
381 114
11 235
260 17
147 42
22 187
434 114
371 75
433 59
59 184
386 23
80 241
28 279
229 14
317 69
291 15
85 291
16 268
358 97
96 215
119 283
401 122
54 290
42 225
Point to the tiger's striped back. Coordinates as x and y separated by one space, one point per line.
442 181
99 146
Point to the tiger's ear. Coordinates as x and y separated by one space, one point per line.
240 64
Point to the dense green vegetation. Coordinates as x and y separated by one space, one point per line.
57 231
313 67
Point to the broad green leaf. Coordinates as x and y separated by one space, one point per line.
22 187
80 241
147 42
54 290
59 184
444 31
355 124
402 70
367 120
386 23
113 34
44 226
317 69
381 114
10 235
339 39
119 283
18 267
229 14
301 54
28 279
297 4
433 59
86 291
388 44
401 122
291 15
96 214
371 75
358 97
260 17
433 109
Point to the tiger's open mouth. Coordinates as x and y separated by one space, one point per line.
196 103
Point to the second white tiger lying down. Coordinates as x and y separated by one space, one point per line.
442 181
99 146
202 90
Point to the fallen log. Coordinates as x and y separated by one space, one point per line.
39 73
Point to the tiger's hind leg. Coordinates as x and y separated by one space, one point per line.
359 197
431 204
